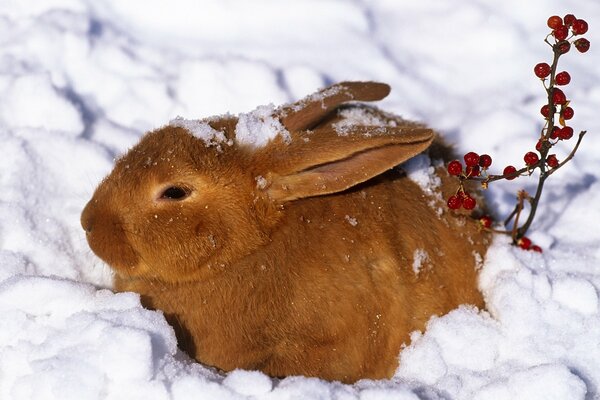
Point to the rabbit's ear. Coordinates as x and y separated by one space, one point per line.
324 162
308 112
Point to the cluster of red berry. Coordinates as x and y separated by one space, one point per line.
476 167
560 30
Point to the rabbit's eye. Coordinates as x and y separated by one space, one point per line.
174 193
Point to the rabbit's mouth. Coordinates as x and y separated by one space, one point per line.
107 238
114 249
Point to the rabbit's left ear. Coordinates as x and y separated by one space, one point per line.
324 162
308 112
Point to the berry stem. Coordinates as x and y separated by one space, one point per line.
571 155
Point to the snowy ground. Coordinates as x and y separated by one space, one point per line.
80 81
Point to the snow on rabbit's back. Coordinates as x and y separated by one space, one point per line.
282 240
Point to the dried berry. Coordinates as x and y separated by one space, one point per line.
563 47
565 133
561 32
580 27
454 202
486 221
567 113
569 19
473 171
554 22
454 168
485 161
542 70
562 78
469 203
545 110
471 159
508 171
558 96
531 158
582 45
538 145
524 243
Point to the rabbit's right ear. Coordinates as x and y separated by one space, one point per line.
324 162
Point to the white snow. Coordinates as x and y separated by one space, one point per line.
80 81
351 220
352 117
256 128
202 130
420 259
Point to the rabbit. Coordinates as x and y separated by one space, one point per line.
310 254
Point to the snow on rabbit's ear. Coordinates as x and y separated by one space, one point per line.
327 163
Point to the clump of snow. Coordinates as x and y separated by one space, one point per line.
351 220
318 97
261 182
420 170
420 259
203 131
358 116
258 127
248 383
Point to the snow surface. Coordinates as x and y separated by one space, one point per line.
81 80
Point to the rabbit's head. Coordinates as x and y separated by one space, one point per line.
177 207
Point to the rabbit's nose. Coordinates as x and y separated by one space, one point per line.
87 220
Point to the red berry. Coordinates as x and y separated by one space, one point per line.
510 170
486 221
541 70
473 171
454 167
536 248
554 134
469 203
471 159
558 96
454 202
582 45
580 27
538 145
562 78
545 110
531 158
552 161
554 22
563 47
524 243
485 161
567 113
561 32
565 133
569 19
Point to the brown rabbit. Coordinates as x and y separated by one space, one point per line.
309 255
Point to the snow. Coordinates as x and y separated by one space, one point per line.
420 259
359 116
203 131
256 128
81 80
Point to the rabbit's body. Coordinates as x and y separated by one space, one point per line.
256 268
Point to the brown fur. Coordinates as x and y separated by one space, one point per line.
275 277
